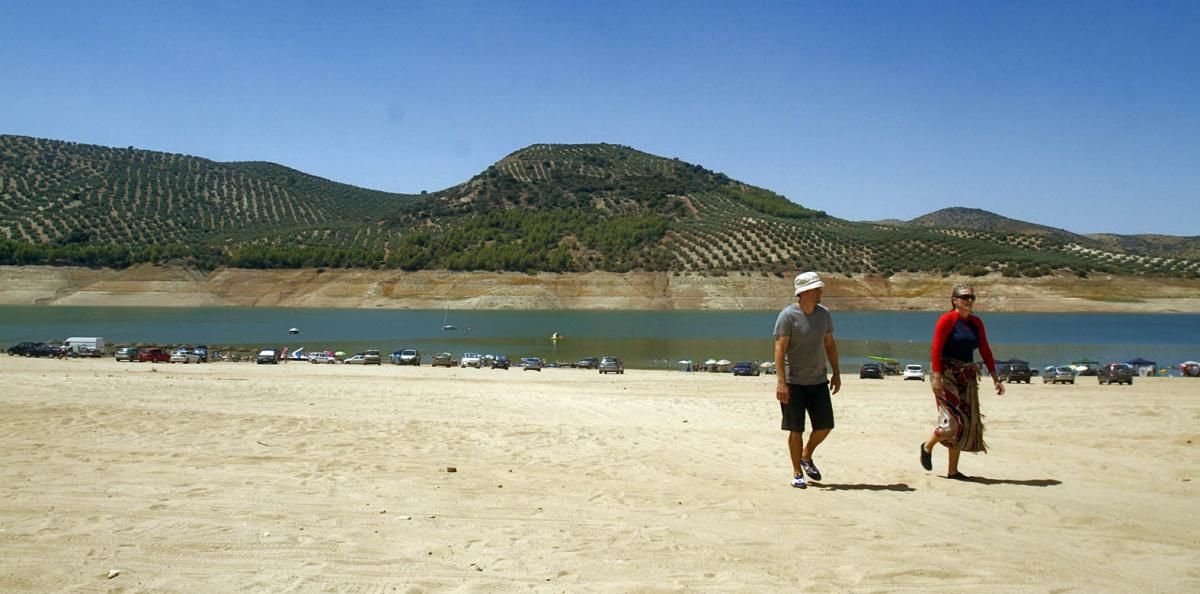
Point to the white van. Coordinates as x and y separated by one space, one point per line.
85 346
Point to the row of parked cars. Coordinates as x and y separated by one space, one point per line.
874 370
1109 373
196 354
66 349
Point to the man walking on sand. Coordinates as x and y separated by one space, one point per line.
803 344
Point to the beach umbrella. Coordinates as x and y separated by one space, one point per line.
724 362
710 362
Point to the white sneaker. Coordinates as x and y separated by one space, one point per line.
798 482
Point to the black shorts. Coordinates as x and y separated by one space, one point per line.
814 399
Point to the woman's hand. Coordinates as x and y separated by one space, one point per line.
936 384
999 388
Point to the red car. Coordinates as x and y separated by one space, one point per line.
153 355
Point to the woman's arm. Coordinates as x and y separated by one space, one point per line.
985 351
941 331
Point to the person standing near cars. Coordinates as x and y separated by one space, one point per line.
804 347
956 336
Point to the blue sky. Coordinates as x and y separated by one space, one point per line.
1080 115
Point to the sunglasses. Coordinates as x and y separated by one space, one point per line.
965 297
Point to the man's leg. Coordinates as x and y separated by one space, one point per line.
796 449
814 439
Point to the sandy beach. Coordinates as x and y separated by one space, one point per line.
232 477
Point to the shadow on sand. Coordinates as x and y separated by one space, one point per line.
900 487
983 480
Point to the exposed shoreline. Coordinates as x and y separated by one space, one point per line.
173 286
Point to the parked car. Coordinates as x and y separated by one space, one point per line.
267 357
407 357
202 352
79 351
443 360
153 355
323 358
126 354
470 360
359 359
1014 373
531 364
33 349
1055 374
184 356
587 363
612 365
914 372
1115 373
372 357
500 362
745 368
870 370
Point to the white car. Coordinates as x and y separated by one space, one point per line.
470 360
914 372
321 358
184 356
359 359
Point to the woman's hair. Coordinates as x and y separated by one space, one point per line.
959 290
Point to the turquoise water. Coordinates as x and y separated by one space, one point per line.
643 339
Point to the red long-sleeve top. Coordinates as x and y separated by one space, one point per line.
957 338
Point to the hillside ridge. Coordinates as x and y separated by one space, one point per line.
559 208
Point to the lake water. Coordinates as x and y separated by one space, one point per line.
642 338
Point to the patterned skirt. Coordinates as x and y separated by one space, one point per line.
960 424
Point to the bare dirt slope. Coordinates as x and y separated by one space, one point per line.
166 286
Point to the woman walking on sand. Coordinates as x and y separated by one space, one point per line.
956 336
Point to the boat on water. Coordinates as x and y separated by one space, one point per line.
446 325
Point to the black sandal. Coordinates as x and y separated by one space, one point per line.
926 458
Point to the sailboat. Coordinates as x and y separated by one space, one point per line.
446 325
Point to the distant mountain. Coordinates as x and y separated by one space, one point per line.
981 220
547 207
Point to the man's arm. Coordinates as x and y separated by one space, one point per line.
831 353
781 389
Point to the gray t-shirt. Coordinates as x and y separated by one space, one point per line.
805 358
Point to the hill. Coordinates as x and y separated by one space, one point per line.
545 208
958 217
